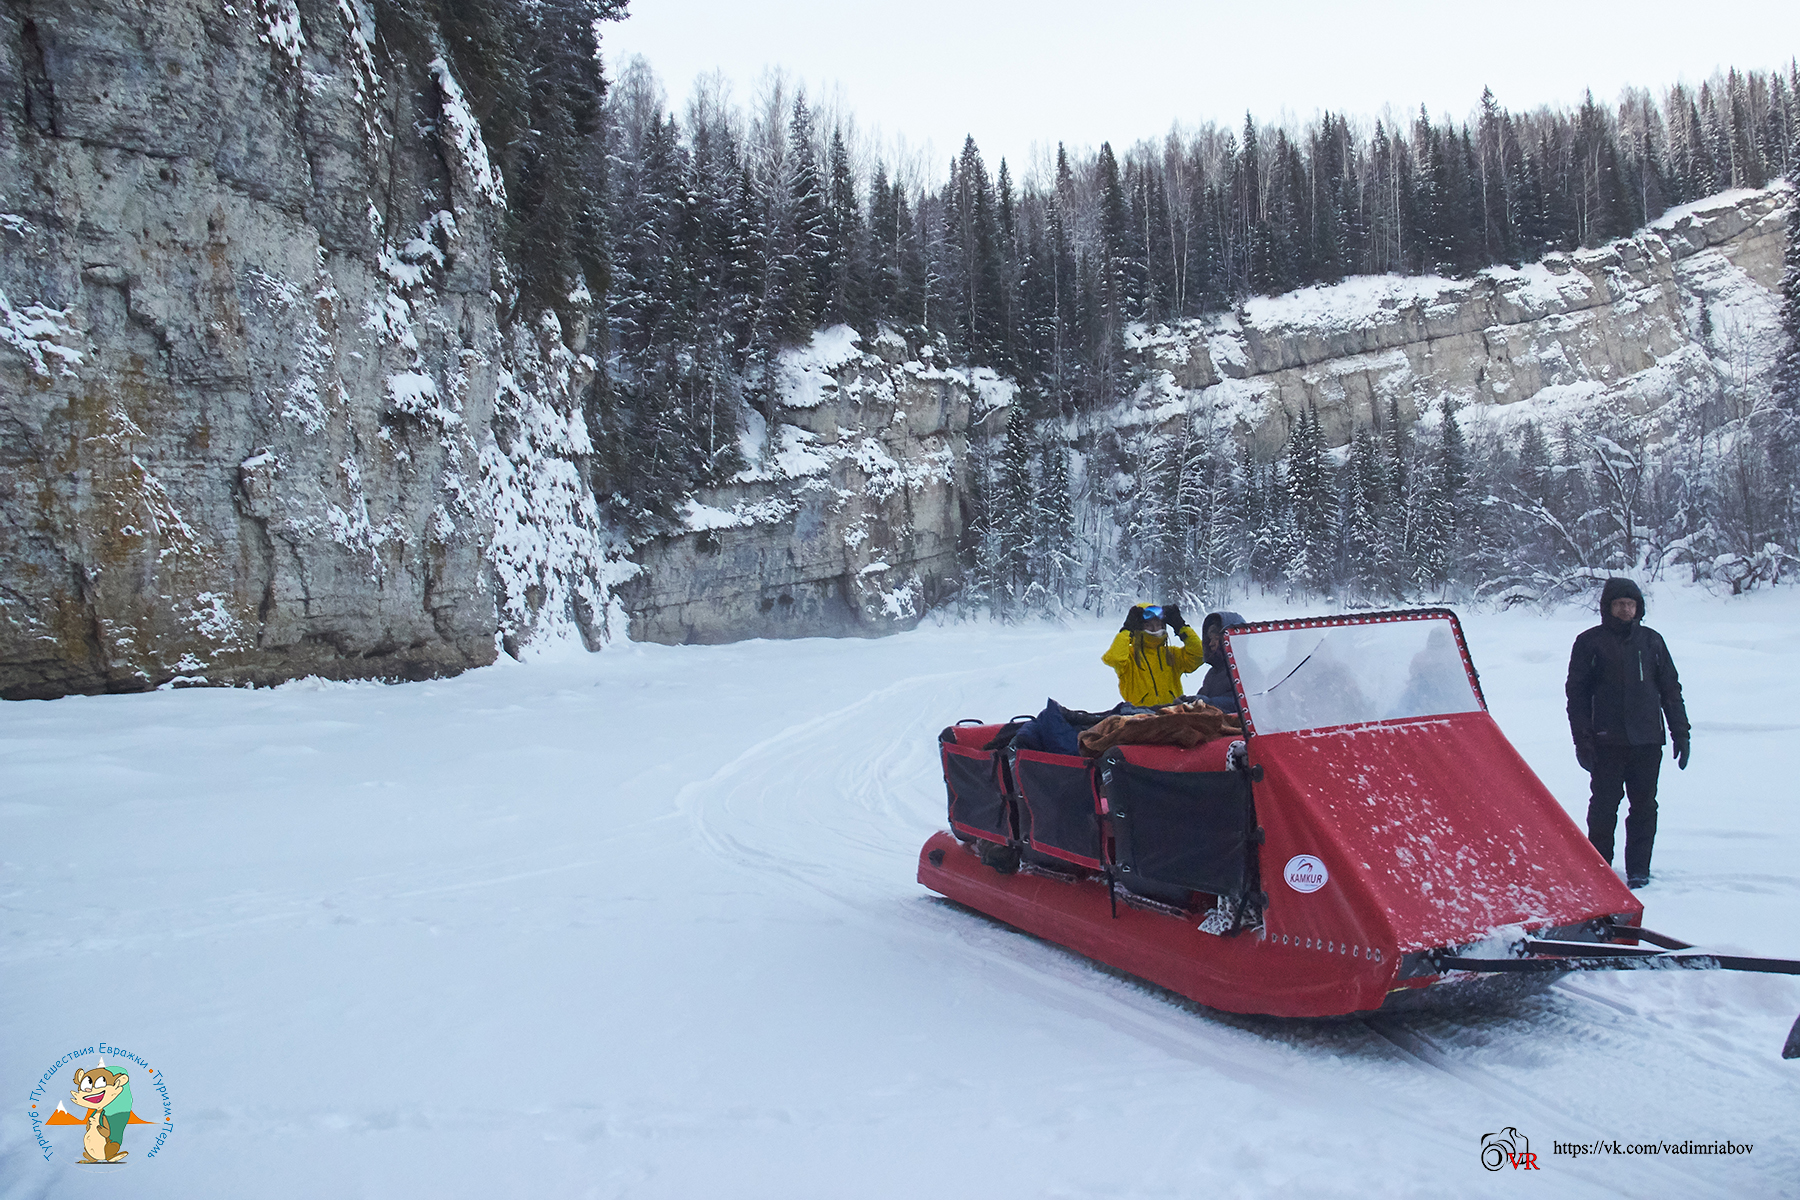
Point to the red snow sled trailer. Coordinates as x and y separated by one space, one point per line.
1372 841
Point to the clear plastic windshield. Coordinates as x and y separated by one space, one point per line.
1345 674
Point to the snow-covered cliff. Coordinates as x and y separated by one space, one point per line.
849 516
1631 323
269 405
260 416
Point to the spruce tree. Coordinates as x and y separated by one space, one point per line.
987 299
1455 451
1258 517
1033 288
884 245
1402 502
1492 180
1152 527
806 244
1441 495
1534 465
1114 274
1364 505
1207 500
1014 517
846 254
1063 337
1249 230
981 542
743 263
1056 550
911 288
1312 550
1005 272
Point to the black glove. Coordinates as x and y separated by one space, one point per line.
1681 750
1172 614
1134 620
1584 754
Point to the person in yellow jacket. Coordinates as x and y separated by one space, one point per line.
1150 669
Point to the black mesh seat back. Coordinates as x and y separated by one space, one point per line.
978 803
1182 829
1058 800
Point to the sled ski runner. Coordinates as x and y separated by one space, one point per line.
1530 955
1538 954
1371 841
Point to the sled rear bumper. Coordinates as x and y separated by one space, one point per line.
1247 973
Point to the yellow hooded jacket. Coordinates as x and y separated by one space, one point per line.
1150 673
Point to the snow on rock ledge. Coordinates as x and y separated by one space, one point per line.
847 519
1621 323
555 562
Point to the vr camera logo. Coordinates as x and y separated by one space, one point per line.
1508 1146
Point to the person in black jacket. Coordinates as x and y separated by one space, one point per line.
1217 689
1622 684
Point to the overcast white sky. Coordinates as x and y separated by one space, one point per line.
1014 74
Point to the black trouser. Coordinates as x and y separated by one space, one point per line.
1619 770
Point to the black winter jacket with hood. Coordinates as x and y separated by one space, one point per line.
1217 688
1622 682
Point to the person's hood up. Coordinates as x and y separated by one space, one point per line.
1223 619
1616 588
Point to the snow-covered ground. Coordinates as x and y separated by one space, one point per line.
644 924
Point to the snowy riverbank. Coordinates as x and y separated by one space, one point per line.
644 923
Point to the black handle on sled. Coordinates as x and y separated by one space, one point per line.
1599 958
1559 956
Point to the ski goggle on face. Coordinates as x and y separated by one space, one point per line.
1152 612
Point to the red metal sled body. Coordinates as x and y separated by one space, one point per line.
1374 843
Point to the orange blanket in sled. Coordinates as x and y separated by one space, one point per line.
1184 725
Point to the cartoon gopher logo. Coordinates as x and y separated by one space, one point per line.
106 1095
99 1104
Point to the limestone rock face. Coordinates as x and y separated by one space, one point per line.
265 410
248 348
848 520
1632 323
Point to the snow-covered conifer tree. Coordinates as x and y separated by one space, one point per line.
846 297
1365 541
1055 556
806 252
1014 517
1311 553
1207 499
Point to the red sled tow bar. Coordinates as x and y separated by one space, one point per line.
1533 955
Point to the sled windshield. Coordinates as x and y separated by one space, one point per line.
1326 672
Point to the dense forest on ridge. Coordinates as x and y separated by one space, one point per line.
712 239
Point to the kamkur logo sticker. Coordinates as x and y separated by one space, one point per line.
1306 874
100 1101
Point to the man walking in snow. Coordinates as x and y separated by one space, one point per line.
1622 684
